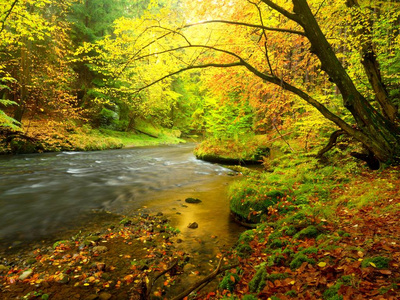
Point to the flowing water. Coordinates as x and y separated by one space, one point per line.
44 194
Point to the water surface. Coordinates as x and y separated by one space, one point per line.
42 194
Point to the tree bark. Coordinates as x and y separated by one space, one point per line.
376 132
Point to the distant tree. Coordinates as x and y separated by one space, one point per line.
34 67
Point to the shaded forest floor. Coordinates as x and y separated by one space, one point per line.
333 235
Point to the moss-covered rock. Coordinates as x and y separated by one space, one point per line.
250 202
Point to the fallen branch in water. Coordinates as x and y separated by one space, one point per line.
152 281
203 282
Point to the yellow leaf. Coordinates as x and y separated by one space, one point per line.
372 264
292 282
322 264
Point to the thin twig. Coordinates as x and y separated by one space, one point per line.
3 25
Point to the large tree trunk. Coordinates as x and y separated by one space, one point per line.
377 132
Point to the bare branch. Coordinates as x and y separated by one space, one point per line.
269 78
234 64
281 10
248 25
319 8
265 36
332 142
205 280
7 13
319 106
190 46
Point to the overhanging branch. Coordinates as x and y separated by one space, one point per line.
248 25
7 14
281 10
269 78
234 64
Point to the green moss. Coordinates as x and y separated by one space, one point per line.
274 235
59 243
227 283
332 292
249 297
346 279
309 232
378 262
259 280
277 243
291 293
300 258
288 251
289 230
250 201
309 250
250 149
276 259
246 236
243 250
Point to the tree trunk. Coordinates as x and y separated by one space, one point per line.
377 133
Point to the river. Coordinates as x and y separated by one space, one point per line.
45 194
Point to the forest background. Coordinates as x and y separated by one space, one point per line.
69 67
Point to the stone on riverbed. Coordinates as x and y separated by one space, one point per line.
100 249
192 200
193 225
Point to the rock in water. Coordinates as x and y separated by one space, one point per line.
192 200
193 225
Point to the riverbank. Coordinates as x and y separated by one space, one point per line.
327 231
335 237
140 257
38 136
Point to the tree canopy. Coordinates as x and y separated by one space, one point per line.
291 62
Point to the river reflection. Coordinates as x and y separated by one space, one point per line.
41 194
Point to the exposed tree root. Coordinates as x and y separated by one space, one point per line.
203 282
372 162
332 142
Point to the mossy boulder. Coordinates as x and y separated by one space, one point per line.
244 151
250 203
